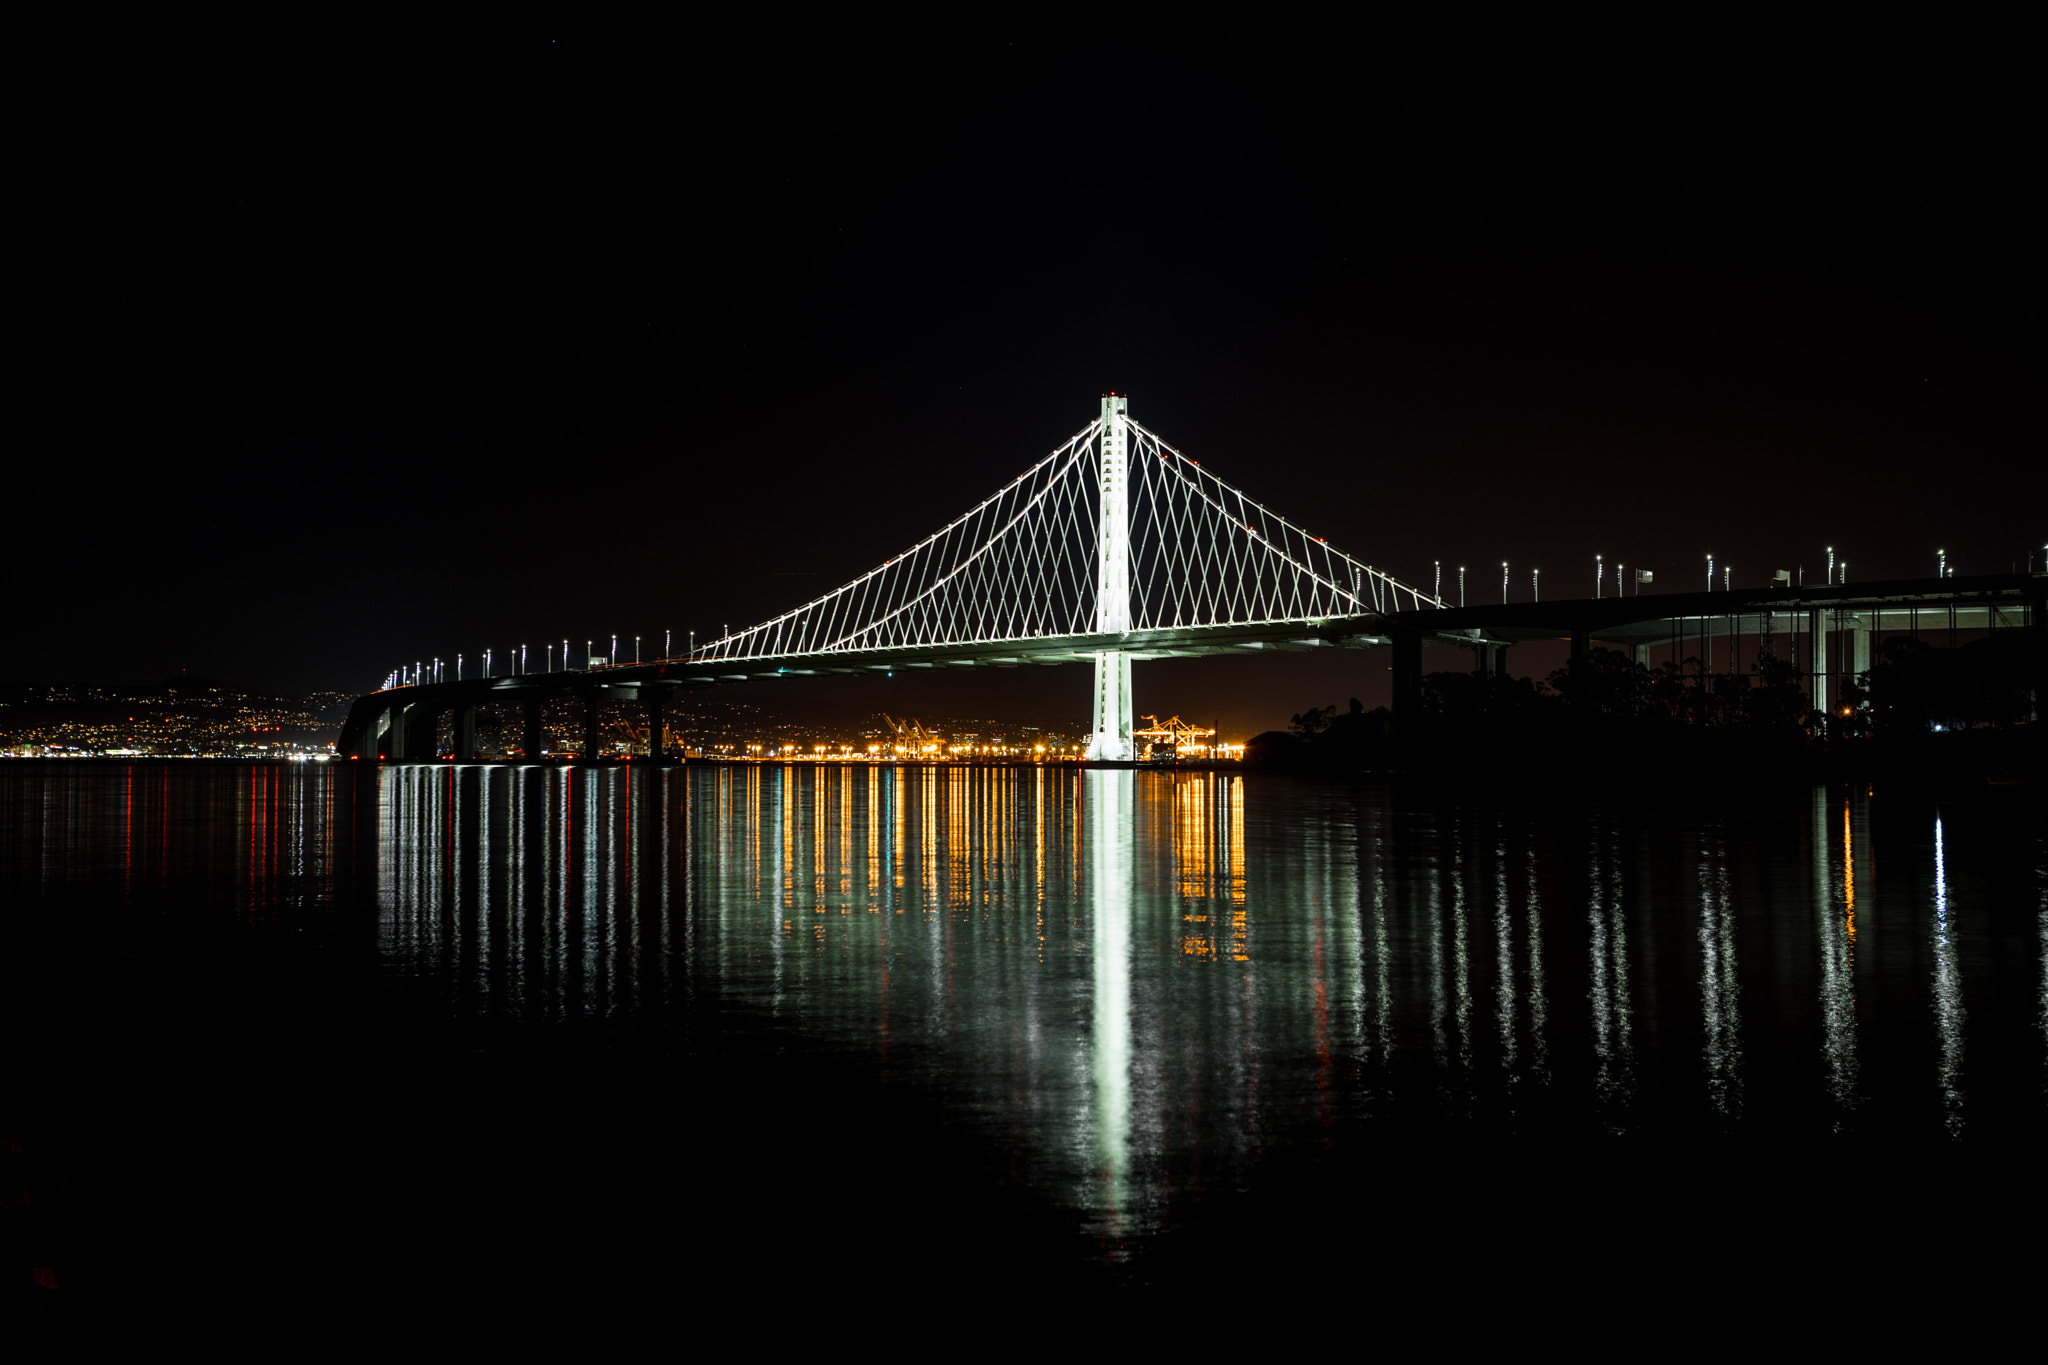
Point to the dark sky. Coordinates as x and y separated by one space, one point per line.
349 352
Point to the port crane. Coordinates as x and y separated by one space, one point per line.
1175 734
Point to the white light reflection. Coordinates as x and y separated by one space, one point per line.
1614 1060
1948 993
1539 1010
1504 961
1110 806
1719 997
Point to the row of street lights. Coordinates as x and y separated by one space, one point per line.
432 671
1838 575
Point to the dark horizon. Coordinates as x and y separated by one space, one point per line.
382 356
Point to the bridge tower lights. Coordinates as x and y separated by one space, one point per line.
1599 575
1110 738
1461 585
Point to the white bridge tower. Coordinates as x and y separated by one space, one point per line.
1111 737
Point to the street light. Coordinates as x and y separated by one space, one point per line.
636 649
1438 591
1503 582
1599 575
551 658
487 663
1535 585
522 661
1710 573
1941 564
1831 566
1461 585
458 668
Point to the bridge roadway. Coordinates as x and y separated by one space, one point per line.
1852 614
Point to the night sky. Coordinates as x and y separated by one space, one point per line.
348 353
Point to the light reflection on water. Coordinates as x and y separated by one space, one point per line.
1137 983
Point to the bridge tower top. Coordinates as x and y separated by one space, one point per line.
1111 737
1113 543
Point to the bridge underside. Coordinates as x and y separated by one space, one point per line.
416 710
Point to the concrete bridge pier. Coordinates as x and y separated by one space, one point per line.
465 732
394 738
532 740
656 750
590 735
422 735
1407 674
1817 658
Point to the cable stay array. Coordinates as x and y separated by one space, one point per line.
1022 566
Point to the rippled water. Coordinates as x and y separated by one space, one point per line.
1150 1008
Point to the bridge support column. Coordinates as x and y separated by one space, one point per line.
532 740
1407 678
422 733
590 735
1482 660
1817 659
1111 740
465 731
394 740
656 749
1860 633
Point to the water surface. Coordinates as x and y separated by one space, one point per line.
1105 1023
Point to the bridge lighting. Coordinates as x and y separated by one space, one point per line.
1536 585
1831 566
1941 563
487 663
636 649
1461 585
1503 582
565 656
615 648
1710 573
1599 575
522 661
458 668
1727 570
551 658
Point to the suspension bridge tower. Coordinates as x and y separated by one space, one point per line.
1111 737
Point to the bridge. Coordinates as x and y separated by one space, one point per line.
1117 548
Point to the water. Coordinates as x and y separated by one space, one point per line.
1106 1028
